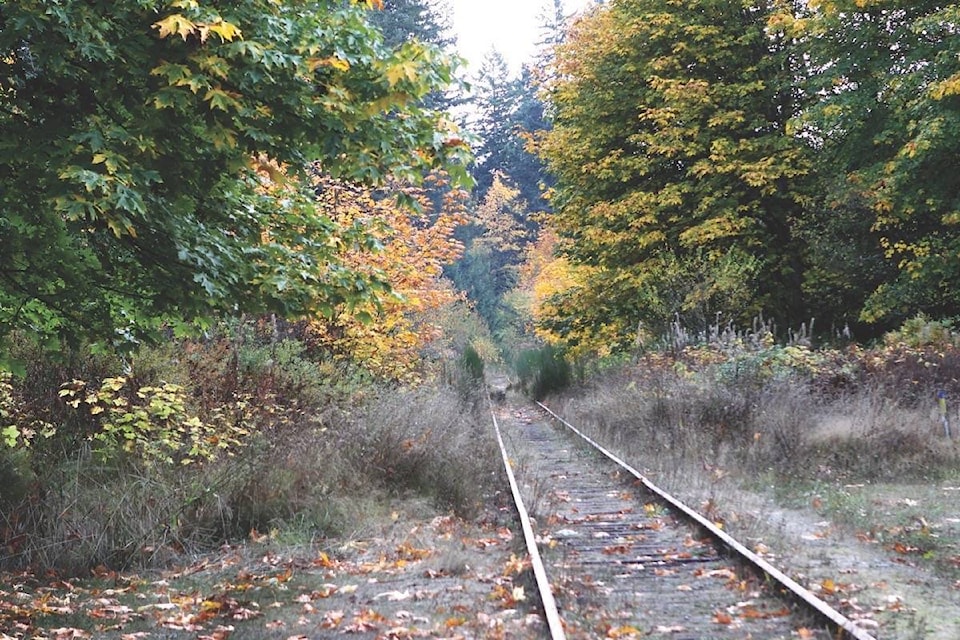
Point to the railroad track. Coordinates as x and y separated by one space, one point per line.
615 556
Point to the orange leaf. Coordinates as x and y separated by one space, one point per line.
721 617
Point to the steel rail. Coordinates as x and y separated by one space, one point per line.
800 592
554 622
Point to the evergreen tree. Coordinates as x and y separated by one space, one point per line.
401 21
508 115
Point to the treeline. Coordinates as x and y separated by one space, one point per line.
720 160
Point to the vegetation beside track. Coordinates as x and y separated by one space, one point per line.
266 435
757 433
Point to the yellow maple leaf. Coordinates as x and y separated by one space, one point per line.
398 72
226 30
175 24
333 61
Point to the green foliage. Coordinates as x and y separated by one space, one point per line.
543 371
17 428
472 364
881 87
153 423
670 141
153 158
921 332
845 262
16 477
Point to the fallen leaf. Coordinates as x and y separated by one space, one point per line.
332 619
721 617
65 633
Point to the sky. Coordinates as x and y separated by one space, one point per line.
512 26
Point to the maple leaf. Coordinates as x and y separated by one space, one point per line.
70 633
615 549
227 31
404 70
332 619
175 24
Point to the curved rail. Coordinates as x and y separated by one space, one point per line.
798 591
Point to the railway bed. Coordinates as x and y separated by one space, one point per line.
617 557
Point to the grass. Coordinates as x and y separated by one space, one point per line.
826 428
326 446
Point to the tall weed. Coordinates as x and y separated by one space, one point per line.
319 440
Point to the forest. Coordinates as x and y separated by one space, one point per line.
244 244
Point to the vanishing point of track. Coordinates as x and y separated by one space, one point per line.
615 556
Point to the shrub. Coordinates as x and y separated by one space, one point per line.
273 438
543 371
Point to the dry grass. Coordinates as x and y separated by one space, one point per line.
781 423
325 451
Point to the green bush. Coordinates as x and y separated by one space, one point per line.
543 371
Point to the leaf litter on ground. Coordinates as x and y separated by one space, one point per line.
417 577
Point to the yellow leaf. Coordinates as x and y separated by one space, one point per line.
227 31
398 72
828 586
333 61
175 24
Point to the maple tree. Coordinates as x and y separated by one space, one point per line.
386 335
670 145
881 81
132 134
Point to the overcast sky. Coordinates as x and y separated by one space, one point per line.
512 26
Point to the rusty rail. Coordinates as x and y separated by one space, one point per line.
828 613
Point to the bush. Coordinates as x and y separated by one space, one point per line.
272 438
543 371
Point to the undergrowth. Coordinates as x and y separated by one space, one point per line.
742 401
183 447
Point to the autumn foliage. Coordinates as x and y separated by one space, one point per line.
411 246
